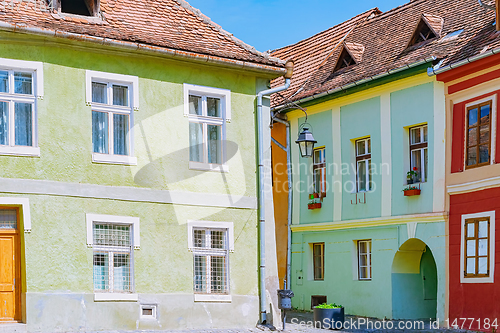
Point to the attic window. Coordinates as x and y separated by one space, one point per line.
422 34
79 7
345 60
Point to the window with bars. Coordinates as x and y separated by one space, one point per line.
319 261
112 245
17 108
319 170
111 117
477 247
211 260
8 219
206 128
418 152
363 165
478 150
364 259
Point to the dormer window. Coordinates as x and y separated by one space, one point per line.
429 27
79 7
345 60
351 54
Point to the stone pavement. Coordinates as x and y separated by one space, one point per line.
297 322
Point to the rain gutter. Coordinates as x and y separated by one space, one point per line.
438 70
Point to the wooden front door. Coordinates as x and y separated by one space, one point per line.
10 266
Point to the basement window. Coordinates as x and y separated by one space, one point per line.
79 7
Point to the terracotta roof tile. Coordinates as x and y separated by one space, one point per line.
171 24
434 22
385 37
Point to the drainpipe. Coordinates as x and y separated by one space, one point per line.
289 216
262 216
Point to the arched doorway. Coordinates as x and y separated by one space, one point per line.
414 282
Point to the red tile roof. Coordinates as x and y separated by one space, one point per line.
170 24
385 37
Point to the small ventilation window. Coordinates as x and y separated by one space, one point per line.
148 311
79 7
422 34
345 60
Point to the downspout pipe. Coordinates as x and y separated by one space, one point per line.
290 193
261 207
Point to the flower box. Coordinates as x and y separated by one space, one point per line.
409 193
316 205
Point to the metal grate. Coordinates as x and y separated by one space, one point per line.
8 219
111 235
210 261
112 258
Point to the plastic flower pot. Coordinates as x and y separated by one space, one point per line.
409 193
329 318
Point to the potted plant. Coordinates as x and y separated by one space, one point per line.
410 175
313 204
411 191
329 316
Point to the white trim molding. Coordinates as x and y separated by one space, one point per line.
208 166
125 193
24 205
473 186
128 79
212 298
210 224
490 278
115 297
113 159
385 132
134 221
20 151
22 65
216 92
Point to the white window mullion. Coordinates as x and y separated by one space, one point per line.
111 259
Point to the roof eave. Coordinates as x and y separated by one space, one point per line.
361 81
431 71
158 50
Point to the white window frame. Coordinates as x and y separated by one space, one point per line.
317 165
153 308
134 223
490 278
132 83
225 96
229 227
424 171
368 160
369 257
36 70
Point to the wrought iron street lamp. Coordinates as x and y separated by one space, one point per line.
306 142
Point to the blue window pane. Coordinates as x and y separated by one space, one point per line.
485 114
195 142
120 95
4 81
23 117
100 132
4 123
23 83
99 93
120 134
214 144
473 117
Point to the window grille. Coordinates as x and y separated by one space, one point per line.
478 135
477 247
8 219
211 255
319 261
319 170
112 257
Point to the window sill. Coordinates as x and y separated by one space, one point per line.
115 297
20 151
471 279
212 298
113 159
208 167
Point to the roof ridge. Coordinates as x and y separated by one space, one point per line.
397 9
184 4
369 11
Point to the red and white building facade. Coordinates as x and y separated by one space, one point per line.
473 186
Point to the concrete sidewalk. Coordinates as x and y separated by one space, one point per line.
296 322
